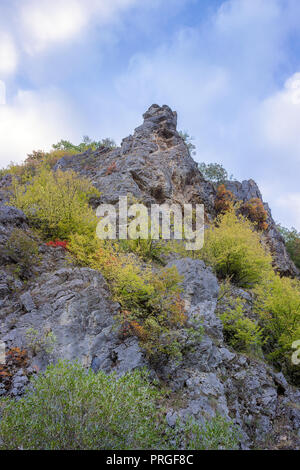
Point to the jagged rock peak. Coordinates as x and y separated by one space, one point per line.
161 114
158 120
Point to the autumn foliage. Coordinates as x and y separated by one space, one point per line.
254 210
58 244
224 199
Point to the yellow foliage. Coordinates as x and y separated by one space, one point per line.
235 249
56 203
278 305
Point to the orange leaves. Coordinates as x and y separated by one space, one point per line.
16 359
254 210
224 199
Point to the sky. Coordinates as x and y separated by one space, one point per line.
230 68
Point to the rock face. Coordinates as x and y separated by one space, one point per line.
73 305
154 166
10 218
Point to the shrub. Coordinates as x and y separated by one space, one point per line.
38 341
224 200
147 249
22 251
278 305
235 249
112 168
68 407
57 203
58 244
242 333
15 359
215 434
254 210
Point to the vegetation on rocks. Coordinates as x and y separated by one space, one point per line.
241 332
278 305
21 253
292 242
214 172
152 308
254 210
233 248
68 407
56 203
224 200
173 316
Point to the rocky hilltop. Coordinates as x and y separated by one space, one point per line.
75 304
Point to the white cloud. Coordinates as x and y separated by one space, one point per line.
8 55
48 22
221 78
34 120
279 120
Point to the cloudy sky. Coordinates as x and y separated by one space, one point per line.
231 69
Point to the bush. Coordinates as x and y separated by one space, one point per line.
224 200
278 305
147 249
40 341
68 407
254 210
56 203
215 434
233 248
242 333
22 251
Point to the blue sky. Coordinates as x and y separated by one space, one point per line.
231 69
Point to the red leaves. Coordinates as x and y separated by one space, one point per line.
58 243
111 169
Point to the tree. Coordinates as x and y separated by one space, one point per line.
87 143
292 242
188 141
214 172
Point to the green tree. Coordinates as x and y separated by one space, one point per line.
86 144
188 141
292 242
214 172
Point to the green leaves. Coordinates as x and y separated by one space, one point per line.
69 407
236 250
56 203
242 333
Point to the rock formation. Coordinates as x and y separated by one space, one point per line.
74 303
